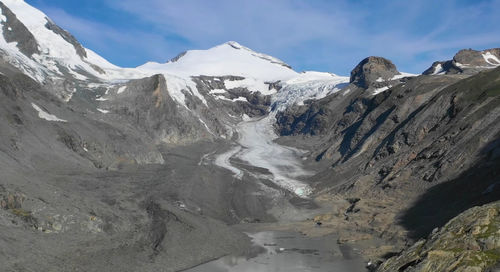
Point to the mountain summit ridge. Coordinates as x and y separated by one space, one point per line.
466 61
229 58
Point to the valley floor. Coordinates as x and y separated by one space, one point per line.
294 241
173 216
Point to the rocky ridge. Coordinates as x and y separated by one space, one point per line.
417 144
372 70
466 61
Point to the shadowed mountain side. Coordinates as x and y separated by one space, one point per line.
477 186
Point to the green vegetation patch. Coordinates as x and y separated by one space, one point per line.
483 259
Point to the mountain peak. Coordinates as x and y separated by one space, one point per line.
234 44
41 47
271 59
468 61
470 57
373 69
229 58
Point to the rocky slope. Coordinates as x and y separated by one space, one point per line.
61 207
469 242
407 159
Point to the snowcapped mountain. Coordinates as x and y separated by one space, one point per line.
229 58
39 47
255 71
200 94
209 86
33 43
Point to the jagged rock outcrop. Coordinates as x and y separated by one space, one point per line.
468 242
15 31
371 76
372 70
67 37
466 61
443 67
470 57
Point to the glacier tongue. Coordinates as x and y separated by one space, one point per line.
308 85
256 146
257 137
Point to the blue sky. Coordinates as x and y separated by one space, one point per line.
320 35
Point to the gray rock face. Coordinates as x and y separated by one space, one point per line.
469 57
147 105
257 105
380 126
15 31
422 144
371 69
80 51
179 56
467 61
315 119
443 67
468 242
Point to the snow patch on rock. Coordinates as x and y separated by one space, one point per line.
251 84
402 74
491 59
438 70
2 17
177 85
45 115
121 89
217 91
380 90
